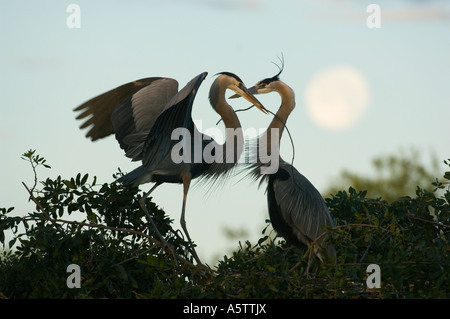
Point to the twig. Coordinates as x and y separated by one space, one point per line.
366 251
35 201
411 215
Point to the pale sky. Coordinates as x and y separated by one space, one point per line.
388 88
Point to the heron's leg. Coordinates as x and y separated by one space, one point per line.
186 183
150 219
314 258
310 261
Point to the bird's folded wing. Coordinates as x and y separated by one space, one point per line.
300 203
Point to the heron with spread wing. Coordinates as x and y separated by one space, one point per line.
143 115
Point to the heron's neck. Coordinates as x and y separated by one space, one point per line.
287 106
220 105
272 136
233 145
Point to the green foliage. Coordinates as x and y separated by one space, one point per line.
395 176
115 249
120 257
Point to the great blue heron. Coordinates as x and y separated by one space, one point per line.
297 210
143 115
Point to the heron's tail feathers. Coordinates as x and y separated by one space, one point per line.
136 177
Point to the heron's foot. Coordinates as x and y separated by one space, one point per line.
170 248
197 259
204 269
191 246
310 262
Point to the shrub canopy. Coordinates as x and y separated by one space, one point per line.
120 256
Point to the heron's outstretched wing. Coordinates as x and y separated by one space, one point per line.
133 119
129 111
177 114
99 109
295 201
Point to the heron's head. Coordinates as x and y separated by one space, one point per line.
233 82
266 85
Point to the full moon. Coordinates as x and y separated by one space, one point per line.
337 97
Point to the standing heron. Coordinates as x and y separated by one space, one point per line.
143 115
297 210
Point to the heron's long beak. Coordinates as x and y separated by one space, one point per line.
248 95
252 91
